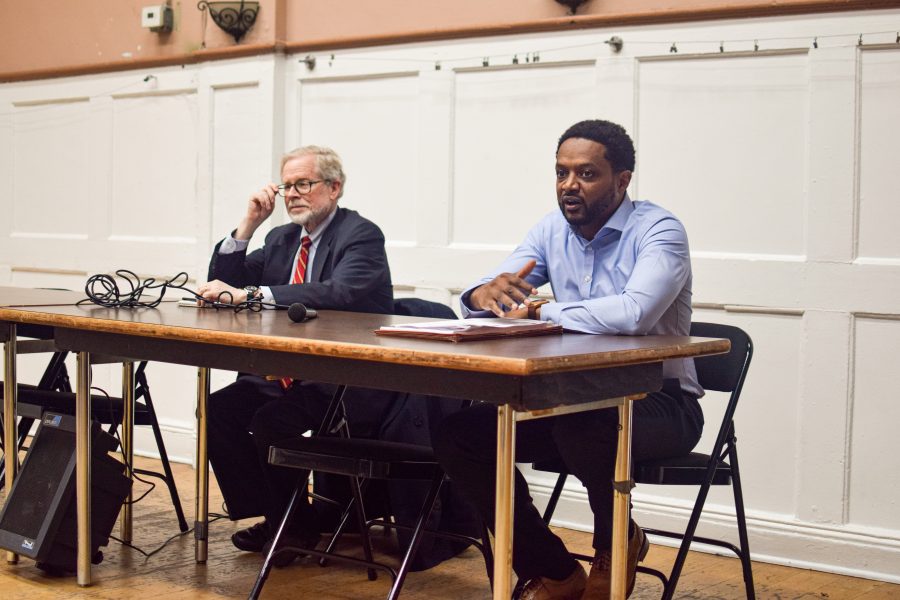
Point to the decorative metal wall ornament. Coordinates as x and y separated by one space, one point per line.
572 4
234 18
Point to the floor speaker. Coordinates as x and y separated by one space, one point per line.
39 519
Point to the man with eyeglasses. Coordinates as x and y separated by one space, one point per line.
313 181
327 257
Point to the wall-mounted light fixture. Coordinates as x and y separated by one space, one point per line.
572 4
234 18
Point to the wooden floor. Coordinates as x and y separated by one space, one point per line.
172 573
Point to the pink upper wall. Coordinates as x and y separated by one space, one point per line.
61 37
320 23
50 35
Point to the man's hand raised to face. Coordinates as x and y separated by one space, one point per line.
259 207
509 289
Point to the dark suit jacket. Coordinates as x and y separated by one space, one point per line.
350 270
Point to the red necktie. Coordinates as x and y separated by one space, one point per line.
299 276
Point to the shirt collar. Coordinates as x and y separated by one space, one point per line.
616 222
619 219
315 235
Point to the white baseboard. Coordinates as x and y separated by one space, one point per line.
774 538
181 443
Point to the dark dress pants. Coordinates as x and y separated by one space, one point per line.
665 423
251 414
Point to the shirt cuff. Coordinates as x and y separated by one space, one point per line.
551 312
230 245
267 294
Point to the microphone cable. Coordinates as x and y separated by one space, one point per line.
104 290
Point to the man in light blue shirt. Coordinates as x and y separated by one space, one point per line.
616 267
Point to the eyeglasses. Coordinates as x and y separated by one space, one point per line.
304 186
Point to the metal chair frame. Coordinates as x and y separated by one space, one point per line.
725 373
361 467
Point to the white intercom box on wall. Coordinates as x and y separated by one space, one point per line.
157 18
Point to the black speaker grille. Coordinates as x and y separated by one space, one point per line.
26 509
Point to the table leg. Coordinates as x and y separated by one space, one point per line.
83 465
201 497
503 517
10 430
621 503
125 522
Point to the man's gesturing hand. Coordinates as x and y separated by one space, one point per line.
259 207
509 289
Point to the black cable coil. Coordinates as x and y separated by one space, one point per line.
103 289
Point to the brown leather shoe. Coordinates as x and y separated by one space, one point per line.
544 588
600 579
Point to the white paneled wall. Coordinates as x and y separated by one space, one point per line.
879 177
781 161
499 174
723 140
237 158
372 121
873 466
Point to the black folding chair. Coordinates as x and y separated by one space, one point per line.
54 379
722 373
364 460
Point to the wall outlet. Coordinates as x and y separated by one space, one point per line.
157 18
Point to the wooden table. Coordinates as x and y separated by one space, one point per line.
526 377
30 297
17 296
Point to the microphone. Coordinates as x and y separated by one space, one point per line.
298 313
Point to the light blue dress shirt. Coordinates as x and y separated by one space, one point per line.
633 278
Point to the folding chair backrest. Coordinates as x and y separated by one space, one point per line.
723 372
416 307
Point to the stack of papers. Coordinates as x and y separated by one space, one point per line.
457 330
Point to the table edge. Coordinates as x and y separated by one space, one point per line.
355 351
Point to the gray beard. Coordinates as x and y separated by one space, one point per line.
309 219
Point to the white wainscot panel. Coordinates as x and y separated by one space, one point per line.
372 123
238 156
30 367
506 126
874 460
174 393
879 177
721 142
766 419
154 170
50 201
37 279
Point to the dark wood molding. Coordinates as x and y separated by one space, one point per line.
199 56
763 8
